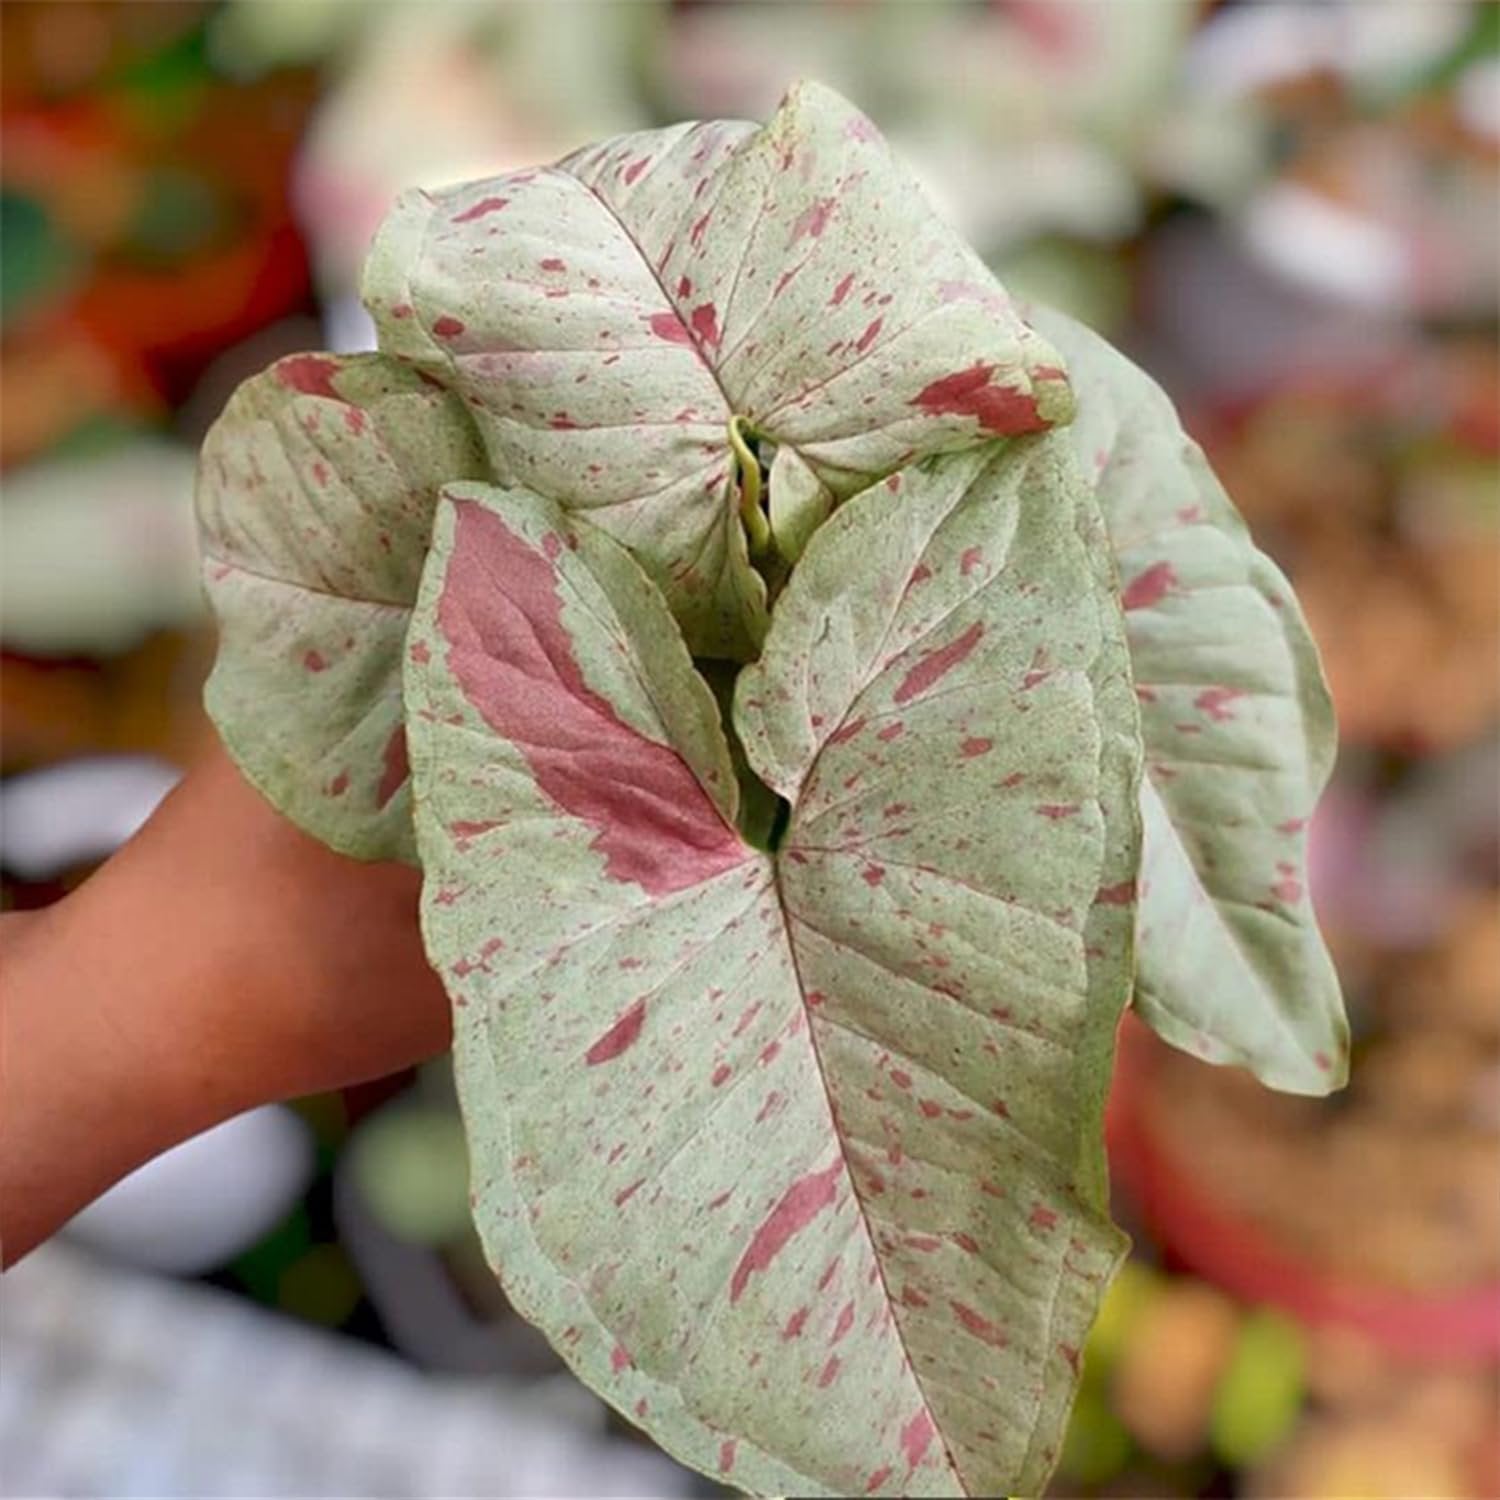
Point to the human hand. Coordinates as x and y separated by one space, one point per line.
221 959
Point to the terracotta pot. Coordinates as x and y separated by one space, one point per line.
1181 1212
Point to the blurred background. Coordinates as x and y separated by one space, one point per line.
1288 212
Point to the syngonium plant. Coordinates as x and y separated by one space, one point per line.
819 698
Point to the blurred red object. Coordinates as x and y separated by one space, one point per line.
169 228
1196 1232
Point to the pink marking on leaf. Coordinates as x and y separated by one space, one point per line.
796 1209
829 1372
872 875
394 768
793 1327
621 1036
877 1478
1292 825
1322 1060
447 328
721 1074
868 337
479 210
845 1322
463 829
1150 587
619 1358
339 785
1215 702
552 263
670 327
891 731
1042 1218
626 1194
684 287
705 321
635 169
726 1454
1056 811
311 374
979 1325
974 746
916 1436
847 731
812 221
354 420
971 559
313 661
1116 895
841 290
513 658
968 393
936 665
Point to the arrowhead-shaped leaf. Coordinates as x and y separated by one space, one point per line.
795 1156
1239 734
606 317
315 496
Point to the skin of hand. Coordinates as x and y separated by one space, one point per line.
220 960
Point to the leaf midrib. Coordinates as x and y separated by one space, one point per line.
787 918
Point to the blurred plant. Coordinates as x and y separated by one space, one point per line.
99 550
1024 119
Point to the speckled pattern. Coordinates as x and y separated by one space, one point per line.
1239 735
315 496
796 1157
606 317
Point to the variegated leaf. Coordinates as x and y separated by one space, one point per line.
794 1156
315 495
608 316
1239 735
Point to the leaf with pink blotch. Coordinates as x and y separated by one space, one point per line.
608 317
1240 739
315 496
794 1155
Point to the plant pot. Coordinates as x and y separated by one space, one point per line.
1183 1212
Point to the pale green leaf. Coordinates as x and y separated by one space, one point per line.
1239 734
800 502
315 495
794 1156
609 315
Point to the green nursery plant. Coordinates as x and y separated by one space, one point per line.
820 694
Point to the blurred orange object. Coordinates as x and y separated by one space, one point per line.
1200 1229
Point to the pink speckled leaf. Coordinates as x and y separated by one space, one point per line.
608 316
315 496
795 1156
1239 734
